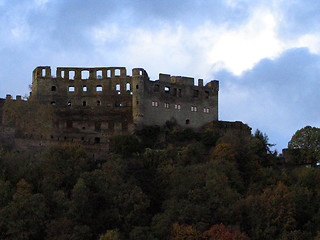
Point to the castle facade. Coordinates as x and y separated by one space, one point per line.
93 103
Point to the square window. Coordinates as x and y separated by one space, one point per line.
71 89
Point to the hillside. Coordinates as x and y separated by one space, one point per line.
160 183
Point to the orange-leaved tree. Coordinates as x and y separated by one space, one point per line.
221 232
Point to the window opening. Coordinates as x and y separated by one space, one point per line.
137 87
84 74
117 87
187 121
177 106
69 104
99 74
62 74
108 73
99 88
71 89
167 105
43 72
96 140
71 75
155 104
83 128
206 94
128 87
206 110
196 93
98 103
53 88
167 89
194 109
117 72
84 88
84 103
53 103
140 72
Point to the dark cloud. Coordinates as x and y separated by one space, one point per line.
299 17
279 95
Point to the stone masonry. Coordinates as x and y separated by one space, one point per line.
92 104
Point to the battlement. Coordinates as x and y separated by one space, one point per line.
77 73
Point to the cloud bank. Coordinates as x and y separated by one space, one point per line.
265 53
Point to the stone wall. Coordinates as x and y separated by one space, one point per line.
173 98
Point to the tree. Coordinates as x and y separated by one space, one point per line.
180 232
307 141
29 118
220 232
25 217
125 145
111 235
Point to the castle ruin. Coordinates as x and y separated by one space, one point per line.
94 103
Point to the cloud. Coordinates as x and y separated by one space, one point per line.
278 96
266 53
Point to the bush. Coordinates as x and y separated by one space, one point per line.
125 145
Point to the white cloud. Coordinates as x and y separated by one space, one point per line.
109 33
203 49
41 3
242 48
312 41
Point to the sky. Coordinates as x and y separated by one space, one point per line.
265 53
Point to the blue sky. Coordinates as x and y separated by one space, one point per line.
265 53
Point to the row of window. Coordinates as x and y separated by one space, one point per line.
178 107
85 73
178 91
98 88
84 103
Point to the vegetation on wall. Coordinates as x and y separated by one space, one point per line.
29 118
203 185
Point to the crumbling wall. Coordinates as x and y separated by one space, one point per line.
174 98
90 103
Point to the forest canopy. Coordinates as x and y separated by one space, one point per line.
199 185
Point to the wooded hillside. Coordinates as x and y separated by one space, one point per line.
190 185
